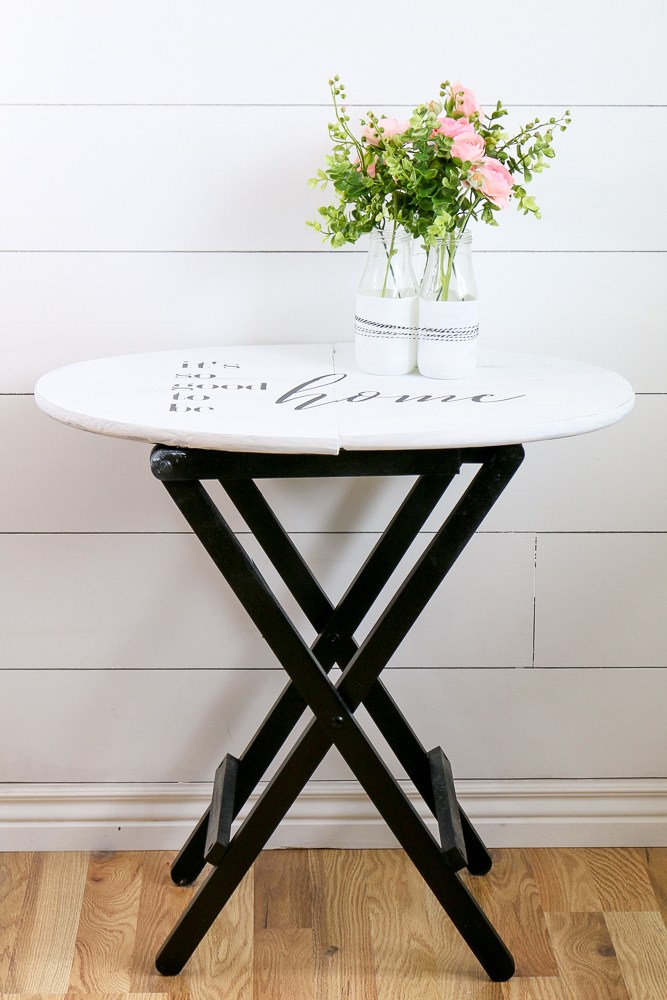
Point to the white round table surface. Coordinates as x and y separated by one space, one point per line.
314 399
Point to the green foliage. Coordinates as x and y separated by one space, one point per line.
405 174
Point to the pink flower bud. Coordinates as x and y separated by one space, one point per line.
465 102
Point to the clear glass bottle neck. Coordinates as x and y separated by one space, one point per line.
449 275
461 241
389 272
390 235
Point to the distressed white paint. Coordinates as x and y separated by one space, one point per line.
314 399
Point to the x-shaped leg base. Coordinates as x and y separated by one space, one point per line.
333 706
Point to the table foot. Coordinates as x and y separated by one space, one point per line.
190 862
480 861
472 924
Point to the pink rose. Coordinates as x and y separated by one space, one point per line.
468 146
465 102
493 180
451 127
390 127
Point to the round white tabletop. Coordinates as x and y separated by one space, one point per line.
313 399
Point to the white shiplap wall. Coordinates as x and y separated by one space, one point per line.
152 194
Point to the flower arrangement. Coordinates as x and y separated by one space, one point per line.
432 173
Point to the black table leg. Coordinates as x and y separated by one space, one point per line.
385 557
334 708
335 627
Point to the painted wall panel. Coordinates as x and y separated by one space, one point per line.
153 193
593 307
202 50
611 481
138 601
60 479
159 726
601 600
161 178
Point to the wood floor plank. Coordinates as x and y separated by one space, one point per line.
480 991
417 950
335 925
283 964
35 996
160 905
107 928
536 988
344 964
92 996
14 874
621 878
640 941
510 897
283 891
656 862
222 965
564 880
589 968
45 942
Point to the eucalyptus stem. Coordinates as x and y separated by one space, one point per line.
525 132
343 124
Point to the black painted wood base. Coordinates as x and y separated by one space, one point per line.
183 472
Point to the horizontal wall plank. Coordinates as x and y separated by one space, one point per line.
171 178
160 726
607 481
201 50
603 308
600 600
59 480
156 601
95 305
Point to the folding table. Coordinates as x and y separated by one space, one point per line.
241 414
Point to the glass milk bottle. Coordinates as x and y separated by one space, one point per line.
387 306
448 310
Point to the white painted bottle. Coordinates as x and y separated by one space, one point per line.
387 306
448 311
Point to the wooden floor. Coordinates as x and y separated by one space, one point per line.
336 925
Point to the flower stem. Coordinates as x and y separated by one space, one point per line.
390 254
473 206
446 276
